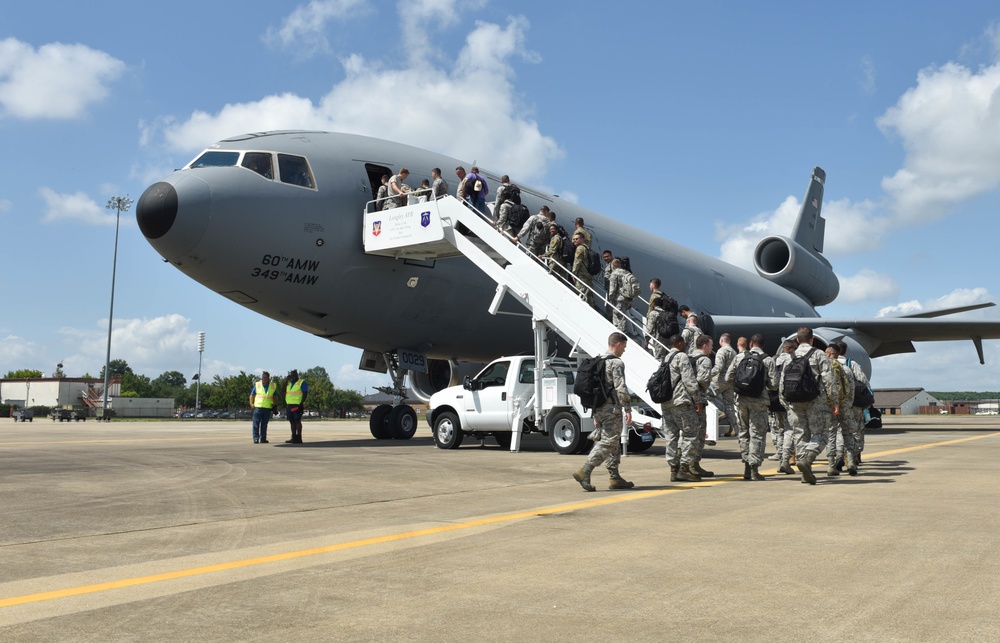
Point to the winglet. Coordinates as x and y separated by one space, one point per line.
978 341
810 227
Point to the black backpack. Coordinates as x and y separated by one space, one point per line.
863 396
594 262
513 193
800 381
666 325
518 215
749 379
567 247
591 383
774 400
661 384
626 263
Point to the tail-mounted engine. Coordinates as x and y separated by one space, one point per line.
786 263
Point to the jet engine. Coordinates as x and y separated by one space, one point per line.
441 373
786 263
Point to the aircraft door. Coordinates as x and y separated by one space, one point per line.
487 404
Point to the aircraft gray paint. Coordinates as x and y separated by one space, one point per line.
286 241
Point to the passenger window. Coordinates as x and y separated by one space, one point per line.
527 374
216 159
294 170
259 162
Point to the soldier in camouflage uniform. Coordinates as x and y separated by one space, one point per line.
841 437
701 366
680 417
617 294
725 399
656 342
855 413
784 439
584 280
811 421
753 410
608 420
553 253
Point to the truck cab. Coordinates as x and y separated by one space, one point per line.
501 396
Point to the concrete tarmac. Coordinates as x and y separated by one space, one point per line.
187 531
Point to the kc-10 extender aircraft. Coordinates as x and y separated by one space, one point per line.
273 221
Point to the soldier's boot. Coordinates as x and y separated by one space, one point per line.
583 477
840 463
852 467
746 470
618 482
785 467
831 468
701 472
687 474
673 473
754 474
808 477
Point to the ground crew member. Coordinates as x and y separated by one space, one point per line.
262 401
811 421
680 417
608 419
296 391
752 410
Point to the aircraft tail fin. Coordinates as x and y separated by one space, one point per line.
810 227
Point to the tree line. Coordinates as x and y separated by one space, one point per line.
230 392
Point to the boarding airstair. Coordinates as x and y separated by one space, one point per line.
447 227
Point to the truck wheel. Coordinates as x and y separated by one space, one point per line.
564 433
447 431
402 422
635 443
504 439
376 423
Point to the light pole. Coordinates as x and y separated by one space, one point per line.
118 204
197 394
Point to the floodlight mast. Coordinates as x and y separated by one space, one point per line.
119 204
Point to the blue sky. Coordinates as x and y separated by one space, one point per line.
699 121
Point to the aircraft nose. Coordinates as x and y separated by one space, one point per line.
157 210
174 214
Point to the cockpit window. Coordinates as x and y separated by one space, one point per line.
259 162
216 159
294 170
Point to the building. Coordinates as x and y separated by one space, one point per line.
905 401
62 392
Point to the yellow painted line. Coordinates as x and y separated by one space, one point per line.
418 533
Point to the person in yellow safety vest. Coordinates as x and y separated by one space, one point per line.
262 400
296 391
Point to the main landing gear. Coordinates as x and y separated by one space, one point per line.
388 422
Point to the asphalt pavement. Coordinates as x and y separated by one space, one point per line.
187 531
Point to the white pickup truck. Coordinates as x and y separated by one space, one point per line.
502 395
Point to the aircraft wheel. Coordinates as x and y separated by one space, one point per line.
376 423
447 431
504 438
401 422
564 434
635 443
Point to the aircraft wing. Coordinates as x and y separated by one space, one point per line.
878 336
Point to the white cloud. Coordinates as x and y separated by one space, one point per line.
57 81
305 28
949 125
150 346
498 131
866 285
75 207
5 205
850 227
955 299
17 353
